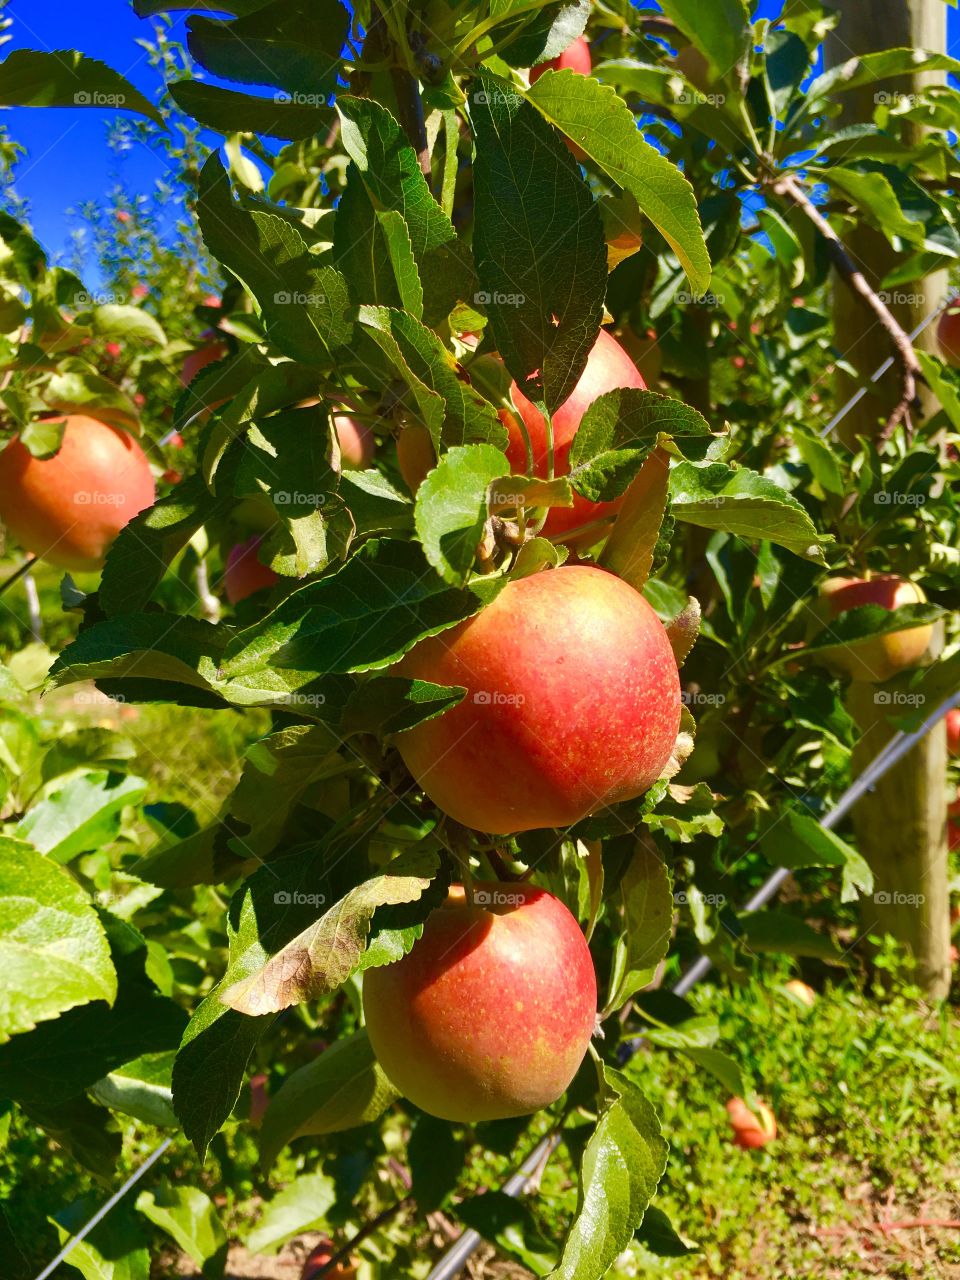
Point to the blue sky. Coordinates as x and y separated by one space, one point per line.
68 160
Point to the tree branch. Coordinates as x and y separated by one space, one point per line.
410 107
855 280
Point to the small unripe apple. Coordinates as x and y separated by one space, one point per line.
573 703
319 1256
806 995
607 368
68 509
245 573
876 658
416 456
751 1128
491 1012
953 731
948 333
357 442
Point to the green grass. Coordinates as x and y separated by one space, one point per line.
865 1091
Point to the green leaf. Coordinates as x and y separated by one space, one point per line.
540 35
646 898
227 111
873 67
77 388
141 1089
323 956
865 621
286 459
631 549
58 1060
744 503
452 508
603 126
446 405
152 649
301 1206
145 547
387 165
618 431
53 950
622 1165
210 1066
132 324
294 48
436 1157
721 1066
372 248
350 620
720 31
794 839
66 78
86 1132
538 242
780 931
657 1234
83 814
116 1249
392 704
343 1087
271 907
188 1216
873 192
304 306
510 1225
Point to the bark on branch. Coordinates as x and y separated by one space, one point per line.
857 282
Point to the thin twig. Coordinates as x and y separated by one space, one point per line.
906 357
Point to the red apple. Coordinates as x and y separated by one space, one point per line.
948 333
139 292
576 57
319 1256
953 731
357 442
608 367
416 456
878 657
245 572
953 836
172 477
491 1012
122 215
212 351
751 1128
573 703
69 508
